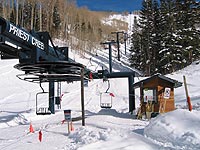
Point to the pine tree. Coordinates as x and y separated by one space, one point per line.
56 19
168 52
146 25
12 17
156 38
189 39
27 15
135 57
146 41
169 37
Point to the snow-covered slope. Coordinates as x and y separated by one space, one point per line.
191 73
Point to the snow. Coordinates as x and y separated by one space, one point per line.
113 129
180 129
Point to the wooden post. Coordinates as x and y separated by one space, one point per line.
185 84
187 95
68 127
82 97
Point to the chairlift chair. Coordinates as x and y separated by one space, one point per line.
42 110
105 104
106 98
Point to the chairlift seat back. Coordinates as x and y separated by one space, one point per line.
105 100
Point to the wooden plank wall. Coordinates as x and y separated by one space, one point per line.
169 106
160 85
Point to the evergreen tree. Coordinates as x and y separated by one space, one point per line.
12 17
56 19
135 57
27 15
156 38
188 37
169 53
146 42
146 25
169 39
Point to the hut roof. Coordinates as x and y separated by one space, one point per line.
174 82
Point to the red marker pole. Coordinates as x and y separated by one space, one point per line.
31 130
187 95
40 136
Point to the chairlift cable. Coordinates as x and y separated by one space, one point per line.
89 62
41 87
97 67
108 86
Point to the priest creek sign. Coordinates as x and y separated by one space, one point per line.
25 36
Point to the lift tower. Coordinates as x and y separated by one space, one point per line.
118 46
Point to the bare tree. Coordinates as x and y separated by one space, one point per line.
17 12
32 13
40 13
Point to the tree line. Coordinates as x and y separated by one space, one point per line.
166 36
80 28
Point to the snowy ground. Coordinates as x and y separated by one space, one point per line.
105 129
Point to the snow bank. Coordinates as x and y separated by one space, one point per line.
178 129
85 136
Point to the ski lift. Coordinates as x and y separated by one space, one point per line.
42 106
106 97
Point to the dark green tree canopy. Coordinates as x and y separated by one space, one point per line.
169 36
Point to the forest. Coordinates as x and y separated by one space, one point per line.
80 28
166 37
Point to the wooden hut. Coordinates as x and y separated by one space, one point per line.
156 95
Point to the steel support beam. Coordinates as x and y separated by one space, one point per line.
82 97
131 93
51 97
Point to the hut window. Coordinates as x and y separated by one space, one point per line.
149 95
